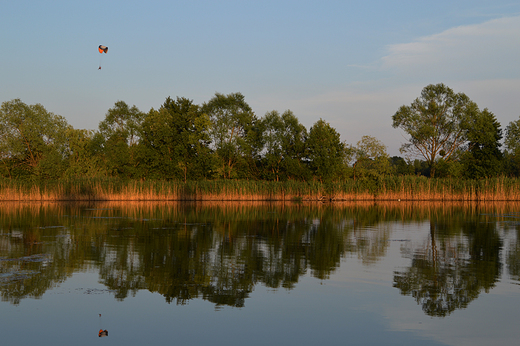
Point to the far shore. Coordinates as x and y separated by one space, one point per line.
405 188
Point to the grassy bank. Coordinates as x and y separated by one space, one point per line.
390 188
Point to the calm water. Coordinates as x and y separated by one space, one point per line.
260 274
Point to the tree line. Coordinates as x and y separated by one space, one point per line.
449 136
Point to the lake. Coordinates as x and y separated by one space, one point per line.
226 273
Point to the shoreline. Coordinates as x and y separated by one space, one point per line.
406 188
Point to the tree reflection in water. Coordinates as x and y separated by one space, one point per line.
512 224
219 252
460 259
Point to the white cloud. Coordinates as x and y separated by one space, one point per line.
480 51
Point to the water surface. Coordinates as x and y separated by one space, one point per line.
258 273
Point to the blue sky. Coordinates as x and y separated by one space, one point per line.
350 63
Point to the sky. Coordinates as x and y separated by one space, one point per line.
350 63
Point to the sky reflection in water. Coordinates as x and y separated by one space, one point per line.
235 274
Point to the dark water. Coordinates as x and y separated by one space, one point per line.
260 274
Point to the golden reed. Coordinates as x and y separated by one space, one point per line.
389 189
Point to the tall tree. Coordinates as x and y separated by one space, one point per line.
120 135
272 133
326 151
32 140
234 133
284 146
83 157
512 147
437 124
371 157
294 145
483 157
175 141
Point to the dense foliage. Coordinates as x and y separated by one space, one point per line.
224 139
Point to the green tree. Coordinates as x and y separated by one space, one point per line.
483 157
272 129
449 169
284 146
234 134
371 157
175 141
119 134
421 167
512 147
294 146
436 123
400 166
326 151
32 141
83 158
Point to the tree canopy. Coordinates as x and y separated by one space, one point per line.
175 141
447 136
512 147
232 132
483 157
326 151
436 123
33 141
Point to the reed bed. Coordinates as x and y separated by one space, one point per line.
407 188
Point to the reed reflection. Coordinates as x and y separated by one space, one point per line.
220 251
